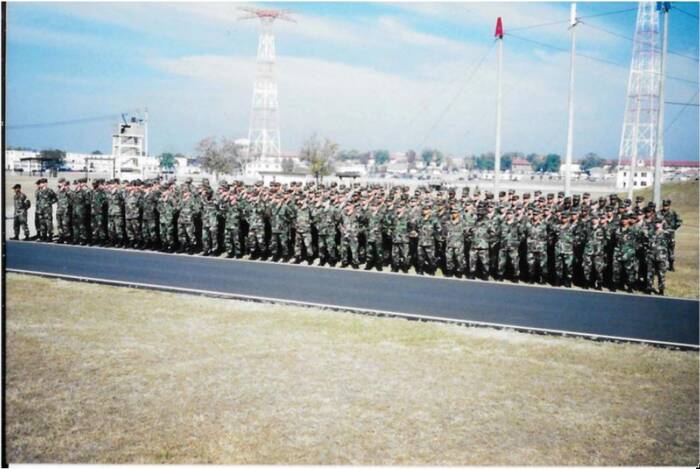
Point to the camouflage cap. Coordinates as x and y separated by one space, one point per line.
666 202
188 180
560 194
550 196
586 195
17 186
502 194
61 180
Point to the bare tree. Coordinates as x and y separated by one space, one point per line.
219 158
320 154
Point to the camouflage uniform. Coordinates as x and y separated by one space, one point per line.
149 227
564 253
455 261
188 207
537 259
624 256
63 214
481 233
375 241
98 202
232 227
132 215
673 222
594 255
21 204
45 198
349 232
255 214
167 214
210 223
400 255
115 225
279 228
428 229
657 259
326 221
80 200
509 247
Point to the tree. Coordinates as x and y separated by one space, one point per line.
548 164
52 159
167 161
591 160
287 166
411 158
345 155
363 158
427 156
485 161
381 157
320 155
219 158
96 152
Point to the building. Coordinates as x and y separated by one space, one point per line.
520 166
130 149
14 160
89 163
643 177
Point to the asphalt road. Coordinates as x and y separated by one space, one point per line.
590 313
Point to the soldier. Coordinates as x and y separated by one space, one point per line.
149 227
132 214
63 212
564 251
188 207
167 217
326 221
80 203
454 234
537 238
115 208
657 256
375 226
255 216
510 235
45 198
21 204
349 231
400 255
673 223
98 204
280 216
232 225
428 230
210 223
480 234
595 254
303 250
624 256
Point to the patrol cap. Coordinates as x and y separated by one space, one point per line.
538 193
639 199
586 195
17 186
526 195
38 181
61 180
205 181
188 180
658 220
666 202
502 194
550 196
560 194
577 197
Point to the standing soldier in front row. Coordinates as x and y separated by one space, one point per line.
210 222
22 205
80 204
673 222
115 206
45 198
454 230
98 205
167 211
149 227
657 256
63 212
510 232
595 258
132 213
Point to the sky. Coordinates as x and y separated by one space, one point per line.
397 76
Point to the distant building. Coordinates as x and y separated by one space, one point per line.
521 166
643 177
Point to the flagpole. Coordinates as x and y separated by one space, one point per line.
499 95
570 135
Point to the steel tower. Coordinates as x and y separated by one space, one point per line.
640 126
264 133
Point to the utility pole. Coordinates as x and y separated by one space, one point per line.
499 95
573 21
659 154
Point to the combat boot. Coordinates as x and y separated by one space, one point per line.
15 238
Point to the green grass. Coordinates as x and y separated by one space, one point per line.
113 375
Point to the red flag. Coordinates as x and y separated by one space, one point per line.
499 28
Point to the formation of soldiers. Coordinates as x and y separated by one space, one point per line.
595 243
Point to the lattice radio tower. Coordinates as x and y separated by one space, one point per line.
264 133
639 129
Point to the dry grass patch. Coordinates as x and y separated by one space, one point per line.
112 375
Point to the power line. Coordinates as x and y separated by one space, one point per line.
685 106
459 92
68 122
613 33
596 59
692 15
541 25
681 104
627 10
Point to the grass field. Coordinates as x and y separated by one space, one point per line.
112 375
